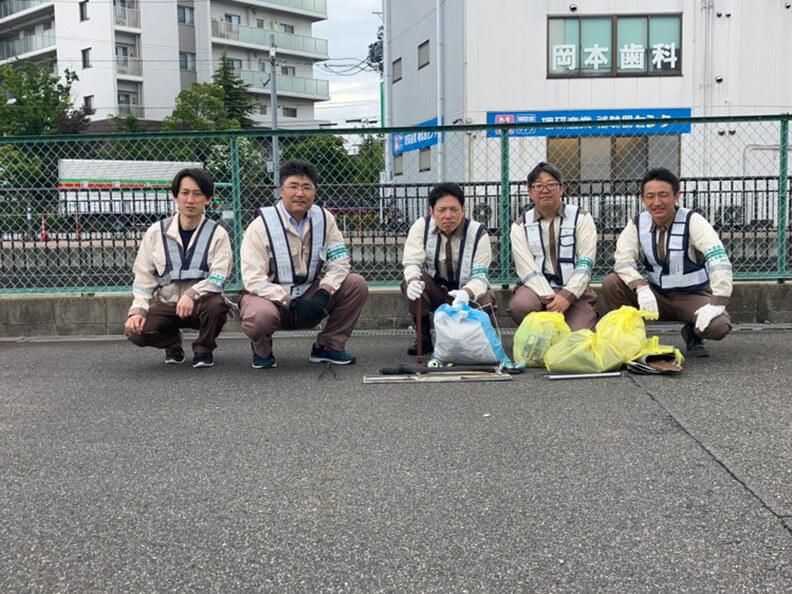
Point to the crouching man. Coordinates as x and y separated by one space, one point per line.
181 267
295 268
690 275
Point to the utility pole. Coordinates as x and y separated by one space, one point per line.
274 106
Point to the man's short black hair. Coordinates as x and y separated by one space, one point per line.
547 168
301 168
201 177
446 189
661 174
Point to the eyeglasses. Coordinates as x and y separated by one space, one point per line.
303 187
538 187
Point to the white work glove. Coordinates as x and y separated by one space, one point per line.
646 300
460 297
707 313
415 289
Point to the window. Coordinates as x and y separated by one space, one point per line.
262 66
236 63
423 54
86 57
234 19
614 46
262 109
284 28
289 112
259 23
186 15
425 159
611 164
288 70
398 165
88 102
83 10
396 70
187 61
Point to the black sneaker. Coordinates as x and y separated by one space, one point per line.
263 362
321 353
174 356
693 342
426 347
203 360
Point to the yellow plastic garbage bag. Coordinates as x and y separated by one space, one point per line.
583 352
625 329
538 331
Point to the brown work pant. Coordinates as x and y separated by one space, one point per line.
434 296
581 314
162 326
261 317
672 305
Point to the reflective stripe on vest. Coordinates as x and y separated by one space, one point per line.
279 244
679 273
566 246
473 232
188 263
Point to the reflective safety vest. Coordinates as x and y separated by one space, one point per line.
186 263
472 233
565 248
279 245
679 272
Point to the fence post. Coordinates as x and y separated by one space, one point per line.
783 191
505 201
236 200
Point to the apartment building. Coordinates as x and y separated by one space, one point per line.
135 56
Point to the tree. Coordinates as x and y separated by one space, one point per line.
369 160
200 108
39 102
239 102
329 155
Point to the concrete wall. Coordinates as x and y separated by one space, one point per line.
104 314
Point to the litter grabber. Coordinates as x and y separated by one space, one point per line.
568 376
450 369
464 376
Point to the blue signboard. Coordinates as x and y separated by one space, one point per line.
648 121
404 142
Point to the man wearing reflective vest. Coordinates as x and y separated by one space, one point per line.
446 259
554 246
295 271
689 273
181 267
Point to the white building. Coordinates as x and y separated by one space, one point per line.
557 60
137 55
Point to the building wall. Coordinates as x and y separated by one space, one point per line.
159 40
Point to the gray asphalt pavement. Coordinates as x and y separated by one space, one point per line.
121 474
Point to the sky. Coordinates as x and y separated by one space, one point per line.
350 27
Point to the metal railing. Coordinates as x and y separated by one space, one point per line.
127 17
312 87
258 36
17 47
9 7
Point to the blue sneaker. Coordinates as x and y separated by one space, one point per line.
321 353
174 356
263 362
203 360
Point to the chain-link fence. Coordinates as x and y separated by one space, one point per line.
72 209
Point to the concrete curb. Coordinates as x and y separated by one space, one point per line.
104 314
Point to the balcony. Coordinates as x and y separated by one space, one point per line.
127 17
318 7
311 88
10 7
126 109
287 42
129 66
13 48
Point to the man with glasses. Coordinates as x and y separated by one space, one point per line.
446 259
690 275
295 271
181 267
554 246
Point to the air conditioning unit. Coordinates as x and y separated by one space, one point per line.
275 25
